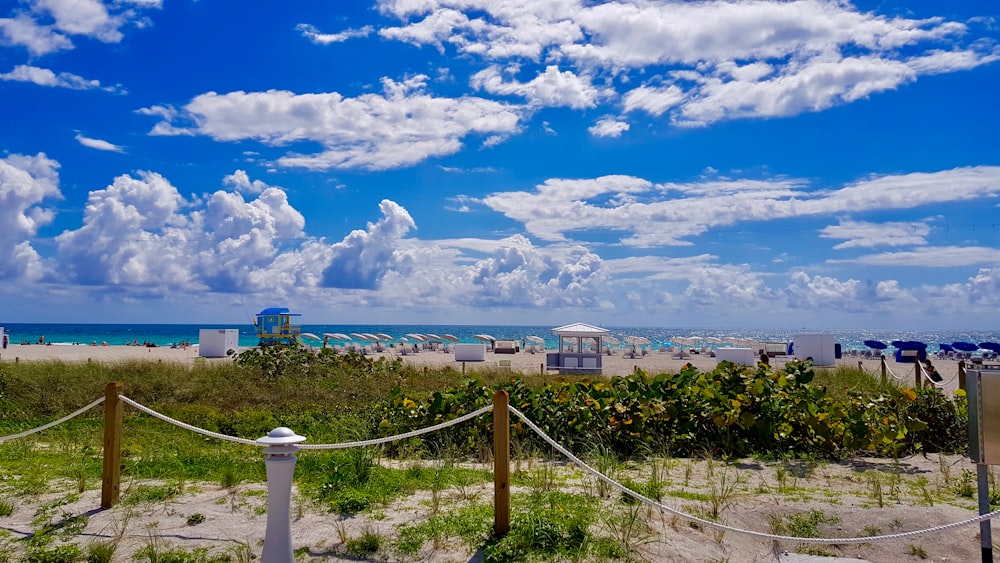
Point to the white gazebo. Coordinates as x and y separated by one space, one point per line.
572 356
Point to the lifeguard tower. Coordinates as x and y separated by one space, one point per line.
573 356
274 326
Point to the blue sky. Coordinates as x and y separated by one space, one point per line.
802 164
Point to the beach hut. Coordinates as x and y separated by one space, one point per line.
582 359
274 326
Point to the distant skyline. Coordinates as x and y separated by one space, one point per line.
806 164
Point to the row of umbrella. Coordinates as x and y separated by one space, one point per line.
953 347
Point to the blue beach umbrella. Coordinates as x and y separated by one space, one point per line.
991 346
876 344
965 346
946 348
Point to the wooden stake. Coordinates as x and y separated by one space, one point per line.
884 368
501 463
111 476
961 375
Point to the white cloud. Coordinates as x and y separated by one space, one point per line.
23 30
241 181
649 214
608 127
400 127
932 257
98 144
46 77
45 26
550 88
25 183
653 100
708 61
870 235
311 33
82 17
364 256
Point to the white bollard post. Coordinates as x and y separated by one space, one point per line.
279 464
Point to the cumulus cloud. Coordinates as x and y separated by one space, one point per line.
26 182
240 181
402 126
608 127
139 232
364 256
45 26
550 88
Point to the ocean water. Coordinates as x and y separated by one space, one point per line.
167 334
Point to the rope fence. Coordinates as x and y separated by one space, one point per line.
43 427
724 528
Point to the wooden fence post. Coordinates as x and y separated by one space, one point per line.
916 373
111 475
885 368
501 463
961 375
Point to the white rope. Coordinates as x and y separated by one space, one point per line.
725 528
403 436
195 429
343 445
53 423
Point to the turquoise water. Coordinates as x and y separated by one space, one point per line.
167 334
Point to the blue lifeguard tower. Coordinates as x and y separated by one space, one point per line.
274 326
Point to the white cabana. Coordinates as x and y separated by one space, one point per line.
577 361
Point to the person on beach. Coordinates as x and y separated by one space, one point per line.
932 373
5 341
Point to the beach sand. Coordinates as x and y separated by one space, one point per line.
521 362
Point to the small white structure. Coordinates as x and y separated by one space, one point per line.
574 339
743 356
470 352
820 347
215 342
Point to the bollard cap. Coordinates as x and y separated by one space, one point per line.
280 436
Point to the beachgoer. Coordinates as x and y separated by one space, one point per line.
41 339
764 359
932 372
5 341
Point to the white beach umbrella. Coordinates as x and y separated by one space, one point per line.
450 337
417 336
359 336
336 336
484 338
309 335
535 339
383 336
433 337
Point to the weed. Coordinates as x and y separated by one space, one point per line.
195 519
626 526
367 544
800 525
965 487
101 552
6 507
918 551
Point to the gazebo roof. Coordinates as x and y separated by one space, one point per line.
580 329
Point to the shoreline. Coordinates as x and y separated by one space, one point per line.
522 362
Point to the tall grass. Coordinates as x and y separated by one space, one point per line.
842 380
